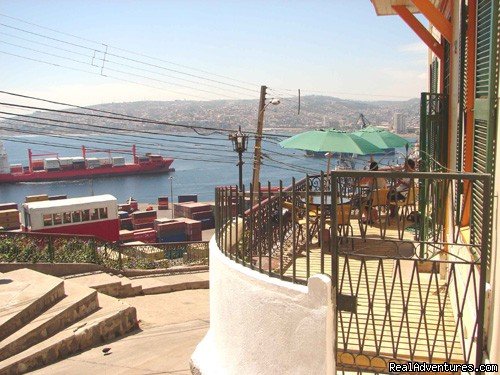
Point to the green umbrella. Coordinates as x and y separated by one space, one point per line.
381 138
331 140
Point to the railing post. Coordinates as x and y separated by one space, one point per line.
120 261
50 249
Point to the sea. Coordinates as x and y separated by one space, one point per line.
201 163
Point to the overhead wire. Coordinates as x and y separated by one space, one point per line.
122 116
108 53
128 51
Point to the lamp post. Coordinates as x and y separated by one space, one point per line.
240 146
171 178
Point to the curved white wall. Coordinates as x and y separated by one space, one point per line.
262 325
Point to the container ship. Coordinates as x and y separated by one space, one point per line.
57 168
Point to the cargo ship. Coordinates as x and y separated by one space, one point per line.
57 168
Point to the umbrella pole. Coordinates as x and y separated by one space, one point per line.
329 158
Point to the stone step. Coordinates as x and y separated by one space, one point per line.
172 283
25 295
113 319
111 285
79 302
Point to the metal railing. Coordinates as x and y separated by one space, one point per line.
63 248
283 224
409 284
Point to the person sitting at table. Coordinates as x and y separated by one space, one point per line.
403 185
373 183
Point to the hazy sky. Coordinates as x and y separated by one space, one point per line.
335 47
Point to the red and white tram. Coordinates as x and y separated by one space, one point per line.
96 216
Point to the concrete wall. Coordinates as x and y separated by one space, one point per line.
262 325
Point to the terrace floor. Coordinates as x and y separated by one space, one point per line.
403 312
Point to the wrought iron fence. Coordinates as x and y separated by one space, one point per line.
63 248
409 284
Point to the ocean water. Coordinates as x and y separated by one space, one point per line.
213 164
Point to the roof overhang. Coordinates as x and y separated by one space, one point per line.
384 7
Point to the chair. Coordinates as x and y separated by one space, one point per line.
298 219
376 198
408 202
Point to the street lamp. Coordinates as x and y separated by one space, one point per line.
240 141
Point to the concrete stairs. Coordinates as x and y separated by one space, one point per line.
44 319
122 287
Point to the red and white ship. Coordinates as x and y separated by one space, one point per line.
57 168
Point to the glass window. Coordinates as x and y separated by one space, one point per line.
95 214
76 217
57 218
85 215
67 217
47 220
103 212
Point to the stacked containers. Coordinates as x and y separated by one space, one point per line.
143 219
118 161
163 203
36 198
197 211
126 235
105 162
145 235
170 231
37 165
51 164
193 229
16 168
187 198
93 163
9 217
78 162
66 163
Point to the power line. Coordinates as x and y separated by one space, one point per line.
127 58
128 51
117 70
122 116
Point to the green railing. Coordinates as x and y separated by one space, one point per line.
63 248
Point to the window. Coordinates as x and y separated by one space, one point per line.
47 220
76 217
103 212
57 218
85 215
66 217
95 214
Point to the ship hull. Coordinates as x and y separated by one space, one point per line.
75 174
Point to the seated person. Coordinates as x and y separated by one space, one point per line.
404 184
374 183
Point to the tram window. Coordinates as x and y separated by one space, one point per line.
57 218
76 217
47 220
85 215
67 217
103 211
95 214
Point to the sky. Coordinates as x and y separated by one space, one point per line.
96 51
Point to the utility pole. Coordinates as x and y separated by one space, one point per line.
258 140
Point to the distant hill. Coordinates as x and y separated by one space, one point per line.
315 112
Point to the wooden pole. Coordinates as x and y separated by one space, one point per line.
258 138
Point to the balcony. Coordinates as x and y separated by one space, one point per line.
408 285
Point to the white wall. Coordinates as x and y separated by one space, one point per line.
262 325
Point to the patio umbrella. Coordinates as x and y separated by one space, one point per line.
381 138
330 140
